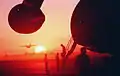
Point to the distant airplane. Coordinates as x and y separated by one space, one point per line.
29 45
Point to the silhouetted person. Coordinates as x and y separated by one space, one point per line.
63 55
57 62
82 63
46 65
63 50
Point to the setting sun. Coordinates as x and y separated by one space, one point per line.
39 49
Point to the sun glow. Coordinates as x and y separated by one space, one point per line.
39 49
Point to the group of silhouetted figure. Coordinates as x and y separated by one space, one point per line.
83 66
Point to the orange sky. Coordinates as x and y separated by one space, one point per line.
55 30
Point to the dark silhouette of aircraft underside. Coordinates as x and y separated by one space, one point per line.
91 24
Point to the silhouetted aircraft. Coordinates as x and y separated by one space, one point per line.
29 45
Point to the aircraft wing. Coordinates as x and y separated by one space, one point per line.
23 46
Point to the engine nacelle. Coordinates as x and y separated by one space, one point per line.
26 18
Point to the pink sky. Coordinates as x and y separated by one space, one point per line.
55 30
